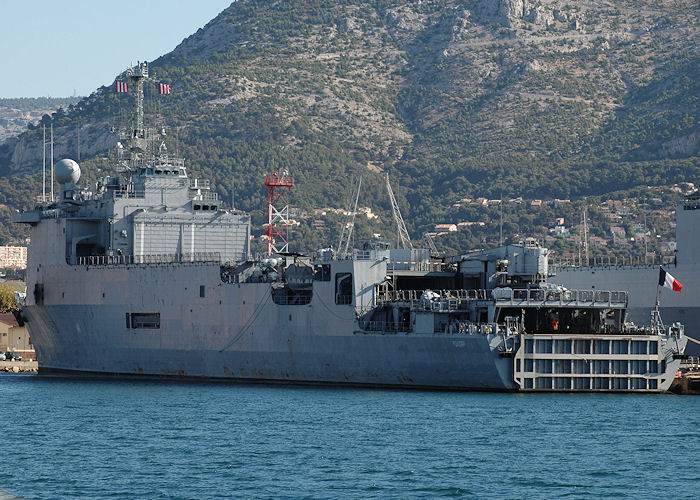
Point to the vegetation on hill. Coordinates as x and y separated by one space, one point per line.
454 98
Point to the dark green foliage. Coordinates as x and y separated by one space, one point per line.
449 108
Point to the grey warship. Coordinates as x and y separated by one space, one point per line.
150 274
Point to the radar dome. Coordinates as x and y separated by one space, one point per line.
67 171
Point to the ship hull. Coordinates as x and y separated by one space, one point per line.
235 332
295 357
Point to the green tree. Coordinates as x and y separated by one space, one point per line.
7 299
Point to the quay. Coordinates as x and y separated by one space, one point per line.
18 366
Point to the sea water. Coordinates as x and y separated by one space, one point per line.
77 438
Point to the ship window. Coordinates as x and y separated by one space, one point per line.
202 290
197 207
653 348
654 366
145 320
562 383
544 346
543 366
620 366
562 366
149 171
582 383
159 171
582 346
638 366
343 288
639 347
620 383
638 383
563 346
601 366
653 383
580 366
205 207
528 383
529 365
601 383
601 347
544 383
529 346
619 346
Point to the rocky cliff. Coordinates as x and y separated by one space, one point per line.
455 97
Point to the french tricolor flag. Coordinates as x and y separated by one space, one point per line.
121 87
668 281
164 88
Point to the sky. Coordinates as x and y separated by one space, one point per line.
61 48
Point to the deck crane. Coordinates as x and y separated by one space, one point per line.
346 237
402 238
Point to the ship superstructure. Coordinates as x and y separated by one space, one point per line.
150 275
640 278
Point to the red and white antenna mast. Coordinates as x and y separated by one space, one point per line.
278 187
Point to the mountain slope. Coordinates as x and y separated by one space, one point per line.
454 98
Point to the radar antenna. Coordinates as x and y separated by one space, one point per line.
402 238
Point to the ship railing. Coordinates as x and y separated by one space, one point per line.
362 254
436 301
613 262
385 326
415 295
449 300
124 193
113 260
204 195
691 364
199 184
561 297
43 198
417 266
453 328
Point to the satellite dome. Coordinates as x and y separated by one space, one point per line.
67 171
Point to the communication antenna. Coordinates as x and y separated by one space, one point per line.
402 238
43 171
51 162
584 234
500 233
278 187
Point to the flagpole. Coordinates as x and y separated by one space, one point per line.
657 318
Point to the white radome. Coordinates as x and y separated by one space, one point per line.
67 171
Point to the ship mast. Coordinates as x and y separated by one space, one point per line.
136 139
